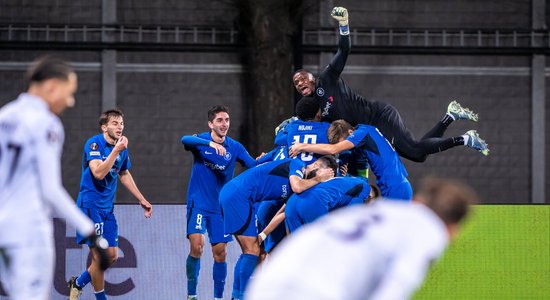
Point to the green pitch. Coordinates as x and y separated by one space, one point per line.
503 252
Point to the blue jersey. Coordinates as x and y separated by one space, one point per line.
337 192
308 133
96 193
211 171
280 152
383 160
269 181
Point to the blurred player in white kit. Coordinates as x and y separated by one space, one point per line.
377 251
31 143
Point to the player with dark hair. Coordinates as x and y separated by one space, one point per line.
391 176
377 251
214 157
31 143
270 181
105 159
323 198
338 101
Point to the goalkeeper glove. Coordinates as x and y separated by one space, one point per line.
283 124
101 245
340 14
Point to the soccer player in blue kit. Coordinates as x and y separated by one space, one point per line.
338 101
105 159
391 176
325 197
214 155
269 181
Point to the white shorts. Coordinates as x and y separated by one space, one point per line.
27 270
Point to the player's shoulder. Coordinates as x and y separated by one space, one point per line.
203 135
233 143
95 142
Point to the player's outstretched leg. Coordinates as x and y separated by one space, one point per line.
457 112
473 140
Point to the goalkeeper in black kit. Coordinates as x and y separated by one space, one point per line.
338 101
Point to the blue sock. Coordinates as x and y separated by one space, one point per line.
83 279
219 273
193 265
248 265
236 282
100 295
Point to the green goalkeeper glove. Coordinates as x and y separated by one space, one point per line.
340 14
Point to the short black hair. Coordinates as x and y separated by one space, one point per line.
307 108
215 110
329 161
48 67
106 115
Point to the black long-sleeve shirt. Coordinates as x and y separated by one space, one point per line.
336 99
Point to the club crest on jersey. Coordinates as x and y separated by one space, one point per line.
53 137
227 156
94 146
320 92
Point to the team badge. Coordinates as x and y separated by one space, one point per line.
320 92
53 137
227 156
94 146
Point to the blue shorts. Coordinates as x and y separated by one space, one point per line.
265 212
105 225
238 213
300 211
400 191
200 221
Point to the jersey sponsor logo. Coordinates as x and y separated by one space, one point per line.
207 152
305 127
325 109
94 146
95 153
215 167
227 156
284 191
320 92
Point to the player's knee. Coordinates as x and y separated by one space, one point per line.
196 250
219 254
113 258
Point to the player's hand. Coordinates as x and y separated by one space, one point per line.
147 207
220 150
261 155
340 14
121 144
344 170
295 149
261 238
324 174
101 245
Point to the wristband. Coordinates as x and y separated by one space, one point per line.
344 30
262 235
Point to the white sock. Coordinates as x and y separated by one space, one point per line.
466 139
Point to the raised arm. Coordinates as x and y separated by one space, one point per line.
194 141
338 62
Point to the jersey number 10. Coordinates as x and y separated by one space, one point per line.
308 139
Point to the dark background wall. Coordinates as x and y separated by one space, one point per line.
162 105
